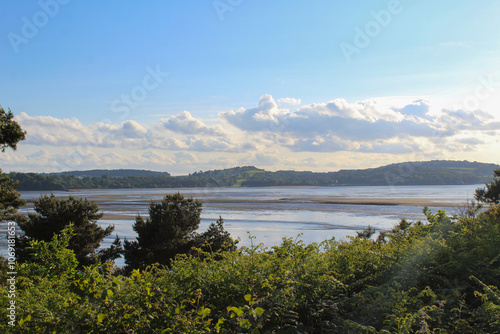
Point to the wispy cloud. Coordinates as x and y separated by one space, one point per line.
290 101
47 130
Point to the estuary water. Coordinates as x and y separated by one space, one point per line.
269 214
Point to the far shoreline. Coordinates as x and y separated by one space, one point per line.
481 185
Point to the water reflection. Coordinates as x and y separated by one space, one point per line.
271 214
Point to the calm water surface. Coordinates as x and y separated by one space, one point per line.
269 215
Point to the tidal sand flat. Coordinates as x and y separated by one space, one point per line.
271 213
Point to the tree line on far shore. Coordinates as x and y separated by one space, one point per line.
410 173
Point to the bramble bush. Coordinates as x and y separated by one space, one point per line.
435 276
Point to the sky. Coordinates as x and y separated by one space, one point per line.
184 86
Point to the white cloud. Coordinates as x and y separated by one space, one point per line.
418 108
127 129
266 135
466 120
185 123
39 154
77 159
362 126
185 158
157 158
164 143
50 131
290 100
47 130
209 145
322 144
265 117
356 121
274 159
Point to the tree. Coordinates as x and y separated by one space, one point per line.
53 215
10 199
10 131
10 134
490 193
216 238
171 230
367 233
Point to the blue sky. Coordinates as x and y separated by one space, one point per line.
182 86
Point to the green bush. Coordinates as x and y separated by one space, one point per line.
437 276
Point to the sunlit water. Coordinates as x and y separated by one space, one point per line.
266 214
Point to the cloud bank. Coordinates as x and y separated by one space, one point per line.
273 133
361 126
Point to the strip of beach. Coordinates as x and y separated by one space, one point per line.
108 203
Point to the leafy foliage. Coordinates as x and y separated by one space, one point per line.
10 134
410 173
170 230
10 131
111 173
215 238
490 193
435 276
51 259
10 199
166 232
64 181
54 214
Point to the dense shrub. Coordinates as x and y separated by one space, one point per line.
437 276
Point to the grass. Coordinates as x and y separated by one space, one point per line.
247 175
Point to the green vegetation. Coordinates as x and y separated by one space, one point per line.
409 173
437 276
10 131
171 230
216 178
10 199
34 181
490 193
112 173
53 215
10 134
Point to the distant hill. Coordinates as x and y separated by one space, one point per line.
111 173
433 172
436 172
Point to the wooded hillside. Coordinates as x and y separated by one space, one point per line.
437 172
